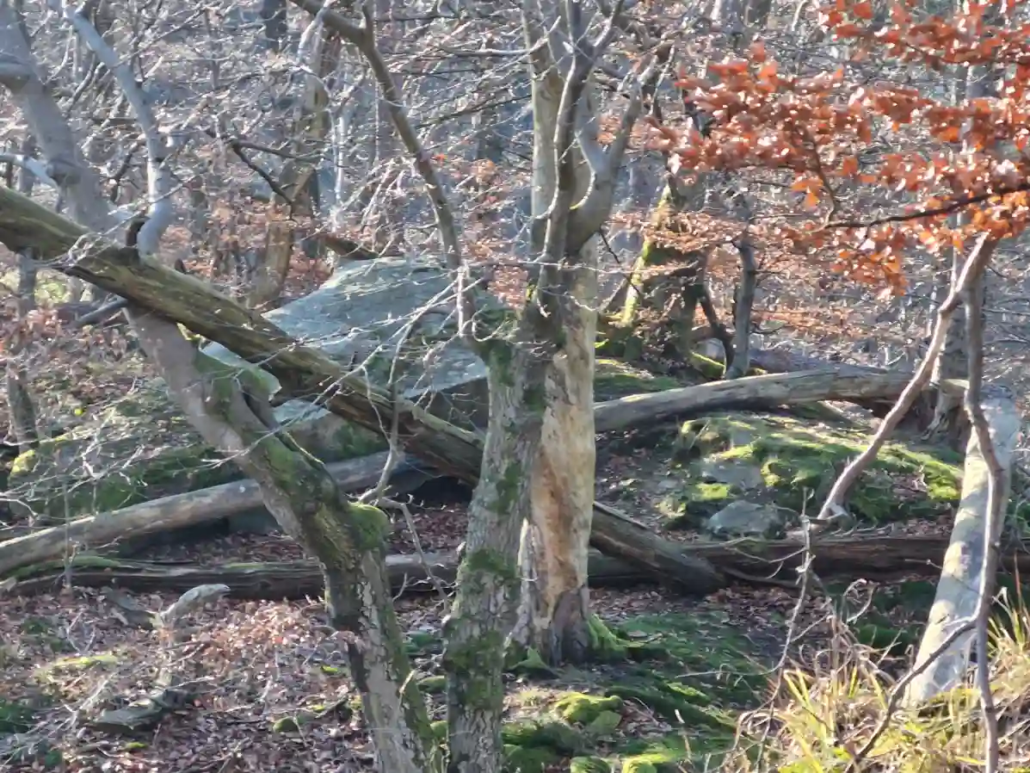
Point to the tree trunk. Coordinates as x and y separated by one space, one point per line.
19 397
488 587
665 285
960 586
555 599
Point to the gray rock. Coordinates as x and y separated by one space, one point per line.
359 315
747 519
715 470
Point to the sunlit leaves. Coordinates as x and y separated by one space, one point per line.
930 158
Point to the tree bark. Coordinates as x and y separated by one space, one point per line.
960 585
230 410
488 586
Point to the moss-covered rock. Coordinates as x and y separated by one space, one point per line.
617 378
786 462
522 759
554 734
582 709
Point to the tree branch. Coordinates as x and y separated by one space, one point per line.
36 167
159 178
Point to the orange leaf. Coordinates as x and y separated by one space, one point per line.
758 51
862 10
849 165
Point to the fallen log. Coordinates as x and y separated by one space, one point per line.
168 513
754 391
855 557
611 533
959 589
302 371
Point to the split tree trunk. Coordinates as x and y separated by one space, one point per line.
959 588
555 598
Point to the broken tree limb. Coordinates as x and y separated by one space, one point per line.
854 557
170 693
180 511
959 589
168 513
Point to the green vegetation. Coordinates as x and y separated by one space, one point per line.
783 461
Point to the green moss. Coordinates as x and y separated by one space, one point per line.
700 644
534 733
604 644
292 723
614 379
580 708
638 765
604 724
679 751
371 525
439 728
491 562
81 663
521 759
420 643
528 663
673 705
799 461
589 765
433 685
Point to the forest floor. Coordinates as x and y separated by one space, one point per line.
274 695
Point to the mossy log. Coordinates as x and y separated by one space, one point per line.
302 371
168 513
750 561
